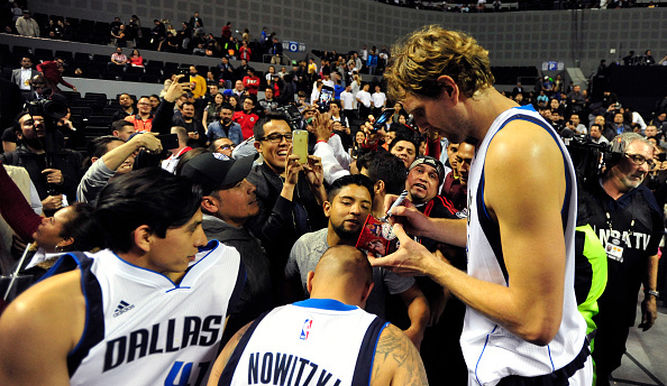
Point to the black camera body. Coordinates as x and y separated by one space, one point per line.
591 159
292 116
51 109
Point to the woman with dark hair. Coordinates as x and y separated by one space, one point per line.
357 144
71 228
234 102
136 60
212 111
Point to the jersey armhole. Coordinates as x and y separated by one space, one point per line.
230 368
364 367
93 331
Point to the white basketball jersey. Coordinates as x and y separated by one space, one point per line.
490 351
143 329
314 342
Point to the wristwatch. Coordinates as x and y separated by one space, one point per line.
653 293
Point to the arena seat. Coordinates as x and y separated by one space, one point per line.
42 55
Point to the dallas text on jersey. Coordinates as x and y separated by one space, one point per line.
141 342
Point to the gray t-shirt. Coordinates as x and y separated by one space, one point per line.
308 250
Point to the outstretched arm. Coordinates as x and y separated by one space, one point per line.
418 312
528 212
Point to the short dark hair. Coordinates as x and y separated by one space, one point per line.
226 106
258 129
83 228
382 165
149 196
119 124
98 146
350 179
400 136
187 103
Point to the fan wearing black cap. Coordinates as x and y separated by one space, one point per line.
442 355
228 201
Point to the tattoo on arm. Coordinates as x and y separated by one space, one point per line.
396 350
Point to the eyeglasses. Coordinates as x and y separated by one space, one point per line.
277 137
639 160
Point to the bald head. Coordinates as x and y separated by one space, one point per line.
344 274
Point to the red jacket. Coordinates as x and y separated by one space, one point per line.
247 122
52 73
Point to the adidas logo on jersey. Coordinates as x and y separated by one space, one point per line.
122 308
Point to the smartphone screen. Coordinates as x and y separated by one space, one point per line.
300 145
169 141
381 122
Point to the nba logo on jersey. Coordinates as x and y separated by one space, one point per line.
305 330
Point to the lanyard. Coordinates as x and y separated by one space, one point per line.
611 228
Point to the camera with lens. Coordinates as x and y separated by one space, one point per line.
292 116
590 159
51 109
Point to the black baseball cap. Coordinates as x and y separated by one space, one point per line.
433 162
214 171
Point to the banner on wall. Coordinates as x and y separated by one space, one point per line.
553 65
294 46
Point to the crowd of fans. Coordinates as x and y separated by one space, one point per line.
191 37
497 5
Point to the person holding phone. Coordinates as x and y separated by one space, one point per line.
290 194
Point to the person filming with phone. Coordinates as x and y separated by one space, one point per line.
290 194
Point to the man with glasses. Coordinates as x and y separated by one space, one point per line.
628 221
143 119
290 194
223 146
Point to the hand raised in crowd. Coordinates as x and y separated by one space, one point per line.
176 89
52 202
323 126
147 141
314 171
53 176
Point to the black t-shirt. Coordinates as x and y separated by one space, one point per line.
630 235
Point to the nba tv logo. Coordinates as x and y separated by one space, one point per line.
305 330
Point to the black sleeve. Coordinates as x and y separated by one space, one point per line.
163 117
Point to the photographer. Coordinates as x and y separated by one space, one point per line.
628 221
53 169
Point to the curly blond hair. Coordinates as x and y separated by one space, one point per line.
419 59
